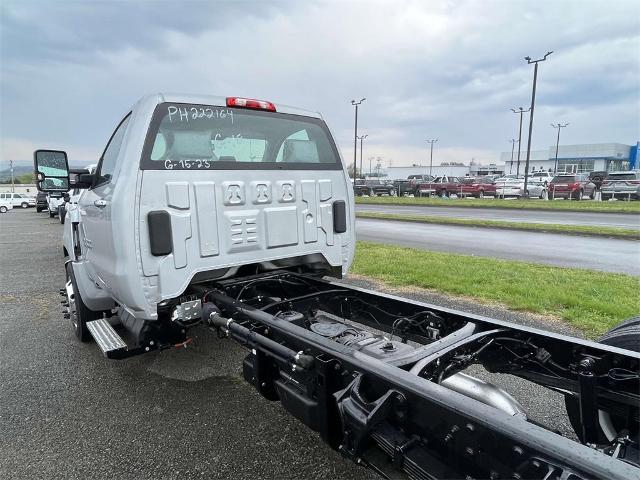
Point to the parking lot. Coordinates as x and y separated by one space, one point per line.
65 411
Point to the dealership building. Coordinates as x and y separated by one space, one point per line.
576 158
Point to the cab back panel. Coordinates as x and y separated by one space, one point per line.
227 218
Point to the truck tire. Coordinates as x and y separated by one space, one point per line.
392 193
3 209
24 205
443 194
79 313
481 194
627 336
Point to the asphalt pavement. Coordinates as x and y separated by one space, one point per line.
618 220
67 412
597 253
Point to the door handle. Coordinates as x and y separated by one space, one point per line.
100 203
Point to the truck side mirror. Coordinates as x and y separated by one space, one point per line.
52 170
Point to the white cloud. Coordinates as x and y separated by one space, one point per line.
449 70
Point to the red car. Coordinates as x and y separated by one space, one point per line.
477 187
440 186
572 185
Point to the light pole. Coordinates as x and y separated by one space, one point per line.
558 126
533 104
513 144
361 138
432 141
355 135
13 188
521 111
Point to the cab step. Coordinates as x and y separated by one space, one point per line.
107 338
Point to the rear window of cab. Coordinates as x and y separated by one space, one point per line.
205 137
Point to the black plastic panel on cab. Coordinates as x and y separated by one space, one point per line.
339 216
160 232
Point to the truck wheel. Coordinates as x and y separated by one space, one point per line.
481 194
444 193
24 205
3 209
392 193
79 313
627 336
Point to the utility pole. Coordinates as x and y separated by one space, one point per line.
361 138
432 141
558 126
513 144
520 111
533 104
13 188
355 135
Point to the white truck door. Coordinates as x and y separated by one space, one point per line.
95 229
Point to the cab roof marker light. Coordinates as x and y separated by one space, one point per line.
250 103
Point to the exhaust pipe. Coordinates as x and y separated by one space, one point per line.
484 392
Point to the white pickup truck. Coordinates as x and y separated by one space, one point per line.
228 213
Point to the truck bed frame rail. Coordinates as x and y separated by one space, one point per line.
391 400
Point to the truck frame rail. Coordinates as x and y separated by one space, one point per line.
381 378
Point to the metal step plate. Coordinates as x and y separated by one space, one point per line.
106 337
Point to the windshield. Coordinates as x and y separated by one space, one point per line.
203 137
622 176
563 179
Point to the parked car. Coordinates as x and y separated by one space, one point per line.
544 177
415 180
572 185
478 187
5 205
504 178
403 186
54 200
515 188
360 188
41 201
381 187
441 186
374 187
623 185
18 199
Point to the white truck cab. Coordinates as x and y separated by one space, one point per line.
191 188
17 199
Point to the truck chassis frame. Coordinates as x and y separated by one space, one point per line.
394 414
381 378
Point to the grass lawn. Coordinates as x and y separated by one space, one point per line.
543 227
591 301
581 206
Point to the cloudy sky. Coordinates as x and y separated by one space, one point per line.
451 70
